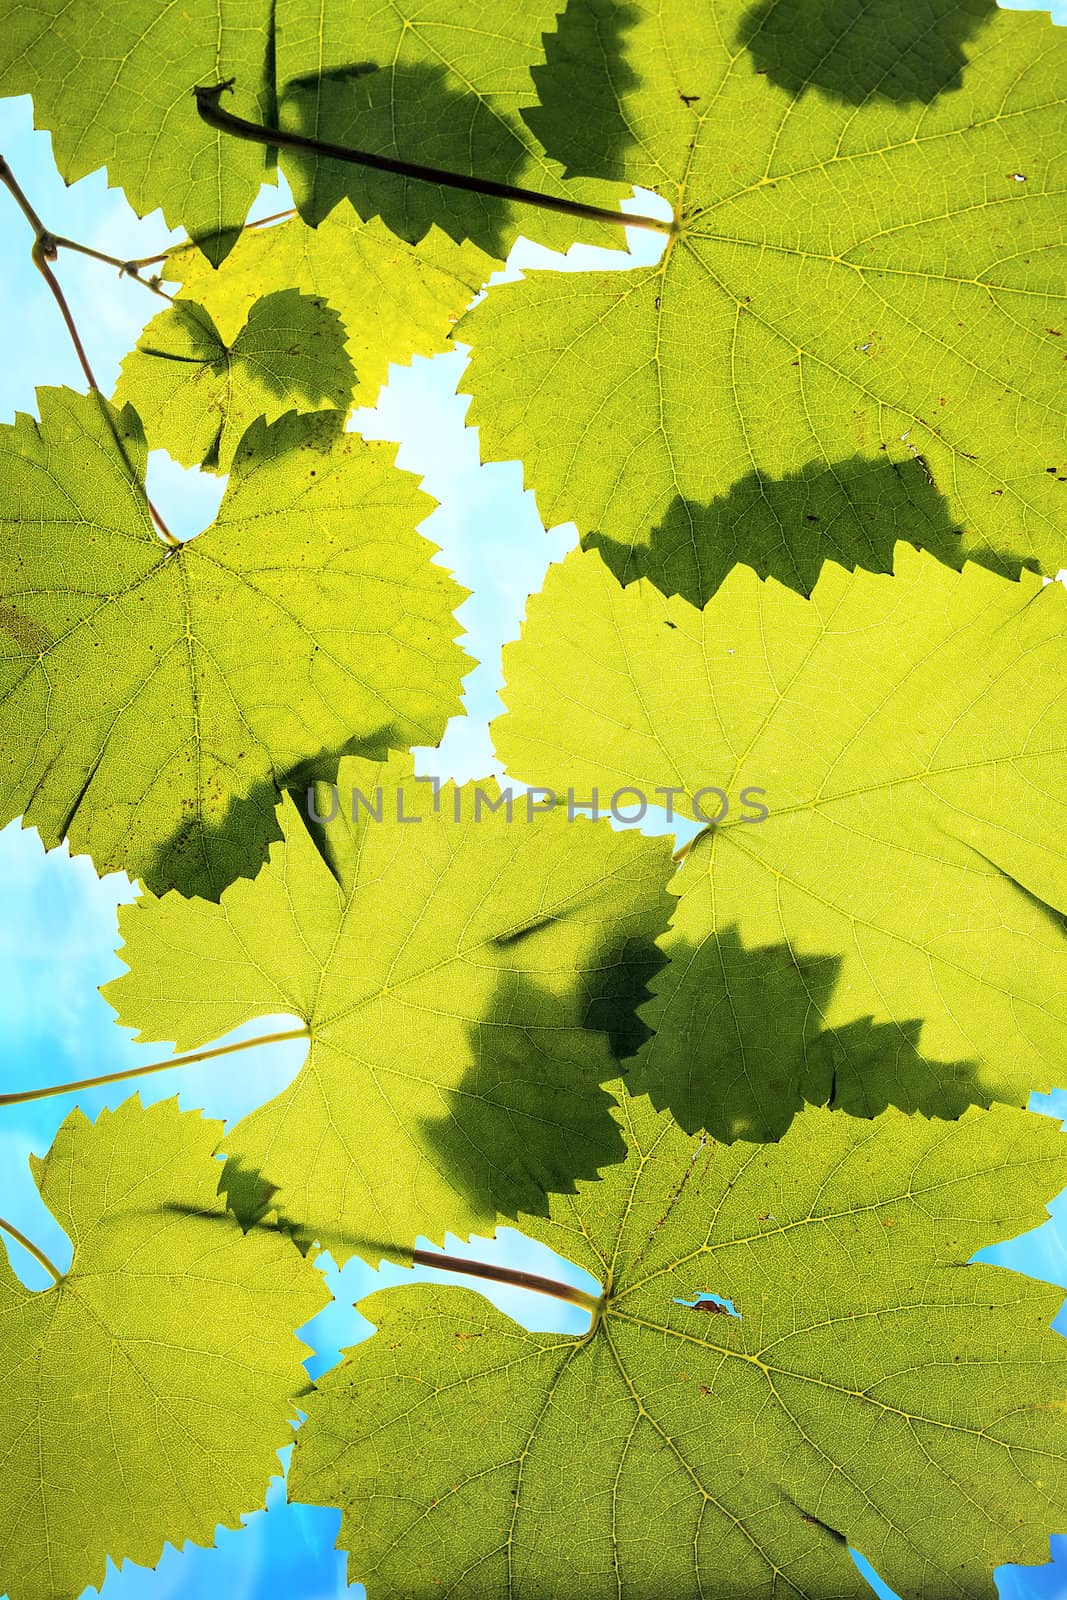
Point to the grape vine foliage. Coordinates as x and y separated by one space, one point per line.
768 1089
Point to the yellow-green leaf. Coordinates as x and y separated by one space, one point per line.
873 1390
126 1386
906 736
867 293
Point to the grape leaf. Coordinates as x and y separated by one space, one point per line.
396 300
873 1390
197 396
454 976
906 735
442 88
859 281
123 1391
153 697
115 90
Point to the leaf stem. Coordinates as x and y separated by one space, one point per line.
211 112
46 249
28 1244
185 244
26 1095
510 1275
127 269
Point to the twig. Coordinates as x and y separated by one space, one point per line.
25 1095
207 104
511 1275
28 1244
186 244
127 269
46 249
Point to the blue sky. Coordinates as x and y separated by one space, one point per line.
58 930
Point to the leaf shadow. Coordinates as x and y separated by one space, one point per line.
742 1046
206 853
852 512
295 343
530 1116
907 52
580 88
407 111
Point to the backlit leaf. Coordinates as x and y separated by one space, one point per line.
870 269
906 736
395 299
455 976
873 1390
196 396
126 1386
151 698
115 89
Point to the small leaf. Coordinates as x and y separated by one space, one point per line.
396 300
197 397
145 1396
873 1391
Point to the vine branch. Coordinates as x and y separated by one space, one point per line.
25 1095
132 267
34 1250
46 249
510 1275
211 112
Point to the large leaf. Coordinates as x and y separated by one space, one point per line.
454 976
127 1386
907 737
115 89
445 88
197 396
871 265
873 1389
396 300
151 698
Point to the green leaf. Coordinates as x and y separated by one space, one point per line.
874 1390
396 300
151 699
906 735
115 89
443 88
454 976
196 396
870 267
126 1385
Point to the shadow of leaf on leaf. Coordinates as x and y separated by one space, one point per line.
530 1111
852 512
407 111
742 1045
209 849
905 51
580 89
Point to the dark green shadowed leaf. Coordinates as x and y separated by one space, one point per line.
444 88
